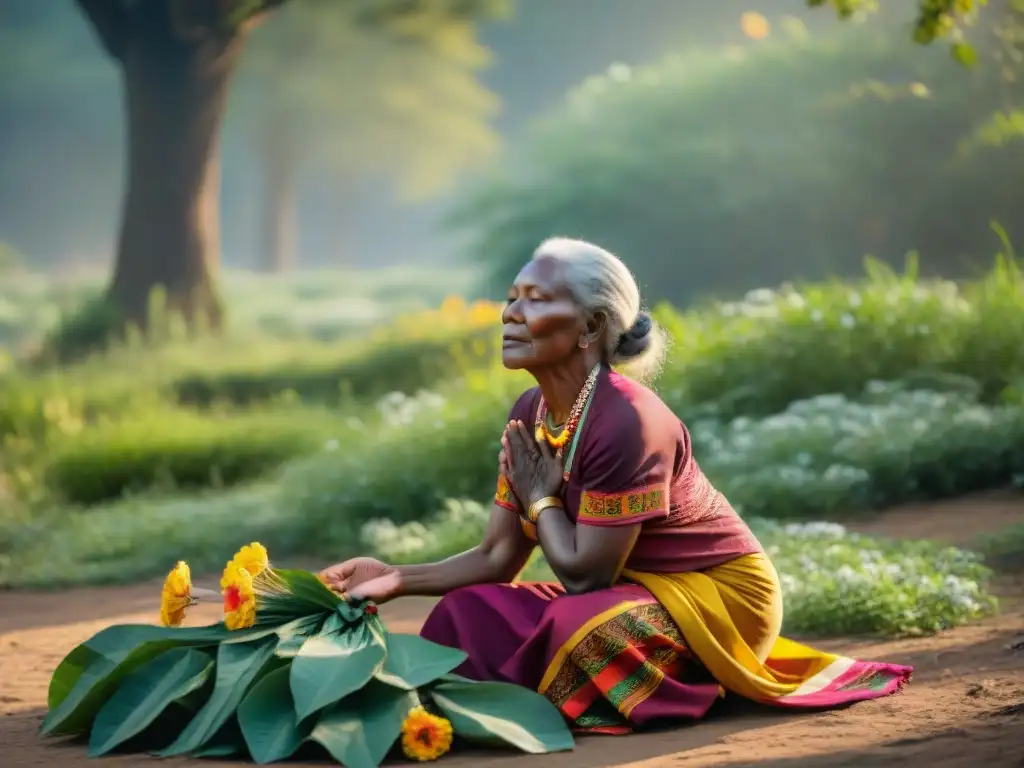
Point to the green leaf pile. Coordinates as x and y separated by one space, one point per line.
313 673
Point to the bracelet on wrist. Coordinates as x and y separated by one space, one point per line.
533 513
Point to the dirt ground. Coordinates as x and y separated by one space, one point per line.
964 707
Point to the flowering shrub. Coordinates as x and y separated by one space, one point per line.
458 527
403 468
398 409
836 582
833 582
830 454
755 356
748 358
825 455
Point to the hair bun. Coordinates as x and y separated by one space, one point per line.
636 340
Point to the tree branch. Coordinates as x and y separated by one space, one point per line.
109 19
195 20
259 15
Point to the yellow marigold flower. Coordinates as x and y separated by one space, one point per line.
239 598
453 305
176 595
253 558
425 736
485 312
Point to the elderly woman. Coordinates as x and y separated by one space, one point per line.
666 600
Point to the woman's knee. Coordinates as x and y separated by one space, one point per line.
462 603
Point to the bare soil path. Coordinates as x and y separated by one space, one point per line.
965 706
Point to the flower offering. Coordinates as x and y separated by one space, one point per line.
291 665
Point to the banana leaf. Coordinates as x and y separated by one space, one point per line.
315 670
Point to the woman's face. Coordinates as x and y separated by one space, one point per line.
541 324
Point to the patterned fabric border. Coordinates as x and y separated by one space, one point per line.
638 503
616 667
844 681
504 497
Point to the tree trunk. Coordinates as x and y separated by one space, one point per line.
175 89
279 224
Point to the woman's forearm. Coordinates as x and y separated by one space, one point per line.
499 557
584 558
435 579
557 535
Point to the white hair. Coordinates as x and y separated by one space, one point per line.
600 282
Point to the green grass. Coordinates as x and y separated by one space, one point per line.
364 371
137 538
182 449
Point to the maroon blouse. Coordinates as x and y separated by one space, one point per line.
634 464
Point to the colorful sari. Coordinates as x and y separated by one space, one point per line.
696 614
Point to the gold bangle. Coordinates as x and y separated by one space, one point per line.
533 513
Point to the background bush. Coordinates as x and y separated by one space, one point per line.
1004 550
135 538
178 449
405 467
699 169
758 355
829 455
370 370
427 404
821 457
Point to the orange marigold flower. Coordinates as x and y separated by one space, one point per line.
239 598
176 595
425 736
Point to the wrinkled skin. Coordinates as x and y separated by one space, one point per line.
542 326
363 578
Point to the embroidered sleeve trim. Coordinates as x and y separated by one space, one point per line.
633 505
504 497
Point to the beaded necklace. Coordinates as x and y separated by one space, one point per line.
570 432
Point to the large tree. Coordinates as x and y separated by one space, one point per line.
316 92
177 59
